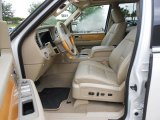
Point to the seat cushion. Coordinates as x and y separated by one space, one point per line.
96 73
95 81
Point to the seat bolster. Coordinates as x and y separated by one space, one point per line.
122 71
4 34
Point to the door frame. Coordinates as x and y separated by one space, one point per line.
150 108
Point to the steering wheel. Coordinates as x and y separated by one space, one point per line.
67 39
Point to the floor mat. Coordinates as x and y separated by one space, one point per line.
51 98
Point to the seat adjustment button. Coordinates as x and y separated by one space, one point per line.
109 94
91 93
97 93
102 94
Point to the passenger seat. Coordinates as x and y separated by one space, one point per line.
96 81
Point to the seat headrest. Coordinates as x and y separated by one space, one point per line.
117 15
4 36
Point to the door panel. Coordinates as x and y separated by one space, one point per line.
8 89
88 37
13 96
9 107
152 98
88 40
9 98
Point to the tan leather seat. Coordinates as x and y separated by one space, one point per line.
5 37
116 33
95 81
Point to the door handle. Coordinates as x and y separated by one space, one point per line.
77 36
134 87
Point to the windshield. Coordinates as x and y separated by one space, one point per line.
52 20
14 12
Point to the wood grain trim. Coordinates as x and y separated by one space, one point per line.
9 108
86 37
72 39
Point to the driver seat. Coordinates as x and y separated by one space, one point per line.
96 81
116 32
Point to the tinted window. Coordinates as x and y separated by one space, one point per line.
129 12
156 24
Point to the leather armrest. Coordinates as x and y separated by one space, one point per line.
101 51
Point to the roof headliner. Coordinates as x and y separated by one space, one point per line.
85 3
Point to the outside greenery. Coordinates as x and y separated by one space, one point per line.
33 7
10 18
127 14
8 15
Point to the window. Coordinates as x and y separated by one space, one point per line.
129 11
14 12
92 20
156 25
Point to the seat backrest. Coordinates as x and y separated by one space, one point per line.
117 31
5 37
120 57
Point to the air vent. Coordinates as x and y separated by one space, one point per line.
37 41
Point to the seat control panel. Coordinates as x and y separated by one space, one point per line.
99 94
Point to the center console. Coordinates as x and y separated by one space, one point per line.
98 53
101 51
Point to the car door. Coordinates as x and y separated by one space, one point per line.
152 97
8 96
19 98
89 28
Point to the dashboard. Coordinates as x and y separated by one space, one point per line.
39 51
46 39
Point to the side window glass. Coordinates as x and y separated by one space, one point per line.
129 11
15 12
92 20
